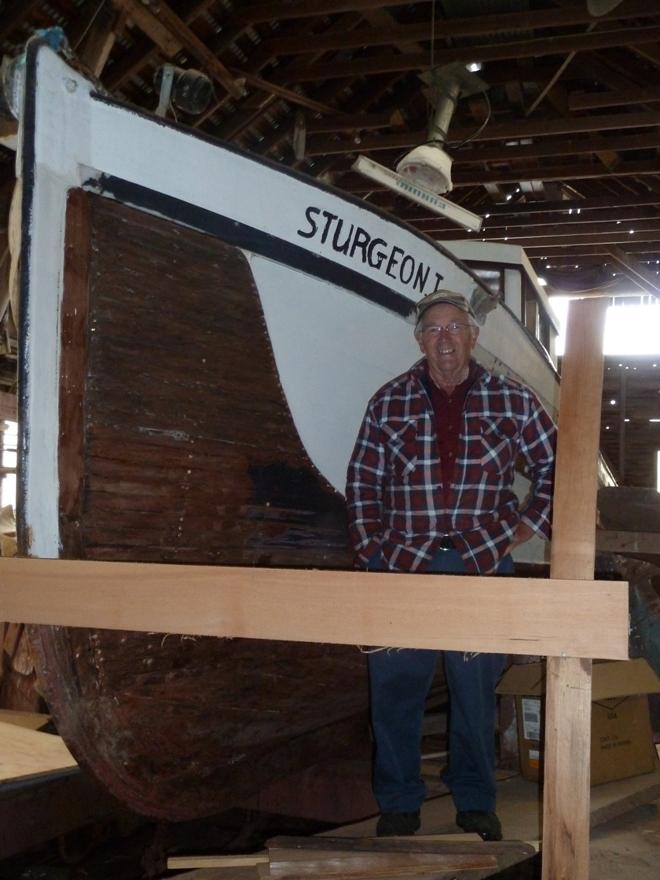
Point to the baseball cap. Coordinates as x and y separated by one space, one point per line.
443 296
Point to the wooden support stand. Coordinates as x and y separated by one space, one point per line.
569 617
568 686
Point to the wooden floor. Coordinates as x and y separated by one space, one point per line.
625 840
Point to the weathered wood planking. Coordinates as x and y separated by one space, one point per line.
568 686
176 444
184 415
515 615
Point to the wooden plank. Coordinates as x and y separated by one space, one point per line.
101 37
568 687
26 753
31 720
232 861
613 541
312 855
617 798
372 865
521 616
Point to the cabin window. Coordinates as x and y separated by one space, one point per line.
530 308
521 297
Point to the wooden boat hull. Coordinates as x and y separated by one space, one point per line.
177 726
199 339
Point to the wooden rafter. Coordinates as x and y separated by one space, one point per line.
171 33
648 280
276 11
598 100
452 28
388 63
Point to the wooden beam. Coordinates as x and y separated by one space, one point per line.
563 227
354 183
576 171
164 24
632 267
356 122
547 149
171 34
649 52
523 616
622 200
546 243
522 128
611 541
13 14
568 687
8 407
599 100
151 26
535 48
293 97
278 11
451 28
573 250
573 222
101 37
144 52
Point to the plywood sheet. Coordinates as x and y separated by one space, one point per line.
28 753
31 720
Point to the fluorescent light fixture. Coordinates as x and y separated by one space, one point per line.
398 184
474 66
658 471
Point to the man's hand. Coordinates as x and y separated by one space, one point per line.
522 533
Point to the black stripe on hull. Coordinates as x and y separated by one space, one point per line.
252 239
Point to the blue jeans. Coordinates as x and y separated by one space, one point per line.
399 683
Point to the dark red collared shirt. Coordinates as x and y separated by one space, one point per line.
448 412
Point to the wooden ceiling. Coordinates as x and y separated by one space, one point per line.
561 154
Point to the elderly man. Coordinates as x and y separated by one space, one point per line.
430 490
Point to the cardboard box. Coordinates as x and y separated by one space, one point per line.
621 735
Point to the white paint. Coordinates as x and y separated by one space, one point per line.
513 291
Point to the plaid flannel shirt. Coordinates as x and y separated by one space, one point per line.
394 487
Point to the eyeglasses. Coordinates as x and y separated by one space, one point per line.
455 328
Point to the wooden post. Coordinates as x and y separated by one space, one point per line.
568 689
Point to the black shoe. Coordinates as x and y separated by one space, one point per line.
485 824
397 824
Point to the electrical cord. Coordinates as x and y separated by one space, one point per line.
481 127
